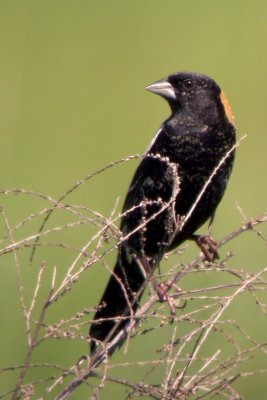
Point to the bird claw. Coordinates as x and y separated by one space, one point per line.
208 246
162 291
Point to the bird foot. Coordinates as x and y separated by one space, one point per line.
208 246
162 291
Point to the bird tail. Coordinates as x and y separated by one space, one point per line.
120 299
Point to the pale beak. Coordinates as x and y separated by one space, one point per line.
162 88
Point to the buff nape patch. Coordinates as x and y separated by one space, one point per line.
227 108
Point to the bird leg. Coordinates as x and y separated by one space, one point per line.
162 289
207 245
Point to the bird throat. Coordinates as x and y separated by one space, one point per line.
227 108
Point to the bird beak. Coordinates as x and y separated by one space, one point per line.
162 88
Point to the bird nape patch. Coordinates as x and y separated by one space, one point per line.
227 108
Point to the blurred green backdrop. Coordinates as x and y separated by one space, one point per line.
72 99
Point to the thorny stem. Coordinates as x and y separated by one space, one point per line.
33 343
74 187
71 278
102 355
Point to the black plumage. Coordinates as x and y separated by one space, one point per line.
175 189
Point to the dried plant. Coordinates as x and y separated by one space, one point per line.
203 351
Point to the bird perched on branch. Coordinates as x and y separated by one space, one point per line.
176 188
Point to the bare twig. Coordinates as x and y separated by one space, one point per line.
186 369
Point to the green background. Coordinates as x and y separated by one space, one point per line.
72 99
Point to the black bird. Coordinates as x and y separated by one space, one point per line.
175 189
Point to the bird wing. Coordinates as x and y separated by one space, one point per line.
142 173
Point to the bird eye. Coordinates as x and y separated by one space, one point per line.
188 84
